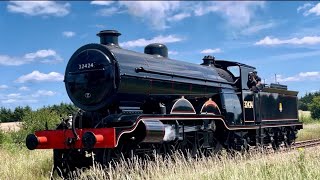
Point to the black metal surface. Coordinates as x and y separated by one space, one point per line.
88 140
156 49
32 141
154 131
91 77
109 37
99 85
278 107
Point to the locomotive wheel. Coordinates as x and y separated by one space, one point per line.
67 161
122 152
61 165
194 144
291 137
214 148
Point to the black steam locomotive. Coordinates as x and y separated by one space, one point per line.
139 103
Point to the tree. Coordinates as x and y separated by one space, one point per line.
304 102
315 107
18 113
6 115
37 120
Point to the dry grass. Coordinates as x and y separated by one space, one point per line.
309 131
20 163
298 164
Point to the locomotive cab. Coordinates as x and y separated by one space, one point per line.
238 71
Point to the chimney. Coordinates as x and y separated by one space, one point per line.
109 37
208 60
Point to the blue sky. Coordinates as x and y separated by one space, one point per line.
38 38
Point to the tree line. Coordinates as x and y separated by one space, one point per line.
16 115
311 102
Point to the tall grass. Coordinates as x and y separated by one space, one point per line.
19 163
309 131
298 164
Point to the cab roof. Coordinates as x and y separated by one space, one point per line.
225 64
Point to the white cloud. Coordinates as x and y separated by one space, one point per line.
155 12
211 51
25 99
173 52
108 11
12 61
43 93
158 39
314 10
257 28
297 55
40 55
14 95
304 6
39 8
37 76
237 14
307 40
24 88
68 34
302 76
179 17
101 3
99 26
3 86
19 101
158 14
16 98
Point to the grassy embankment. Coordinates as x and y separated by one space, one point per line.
297 164
20 163
311 127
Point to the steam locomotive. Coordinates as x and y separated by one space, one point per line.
133 103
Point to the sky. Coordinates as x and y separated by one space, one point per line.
38 37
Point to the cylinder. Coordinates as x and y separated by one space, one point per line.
32 141
154 131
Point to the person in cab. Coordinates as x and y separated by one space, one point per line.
254 82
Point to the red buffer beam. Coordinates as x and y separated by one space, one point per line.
65 139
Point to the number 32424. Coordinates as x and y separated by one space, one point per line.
86 66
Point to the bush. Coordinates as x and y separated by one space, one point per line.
34 121
315 107
5 137
37 120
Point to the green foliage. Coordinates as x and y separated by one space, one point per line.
315 107
5 138
63 109
306 119
305 101
37 120
7 115
33 121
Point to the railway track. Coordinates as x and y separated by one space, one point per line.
307 143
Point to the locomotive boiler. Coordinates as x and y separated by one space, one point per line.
133 103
